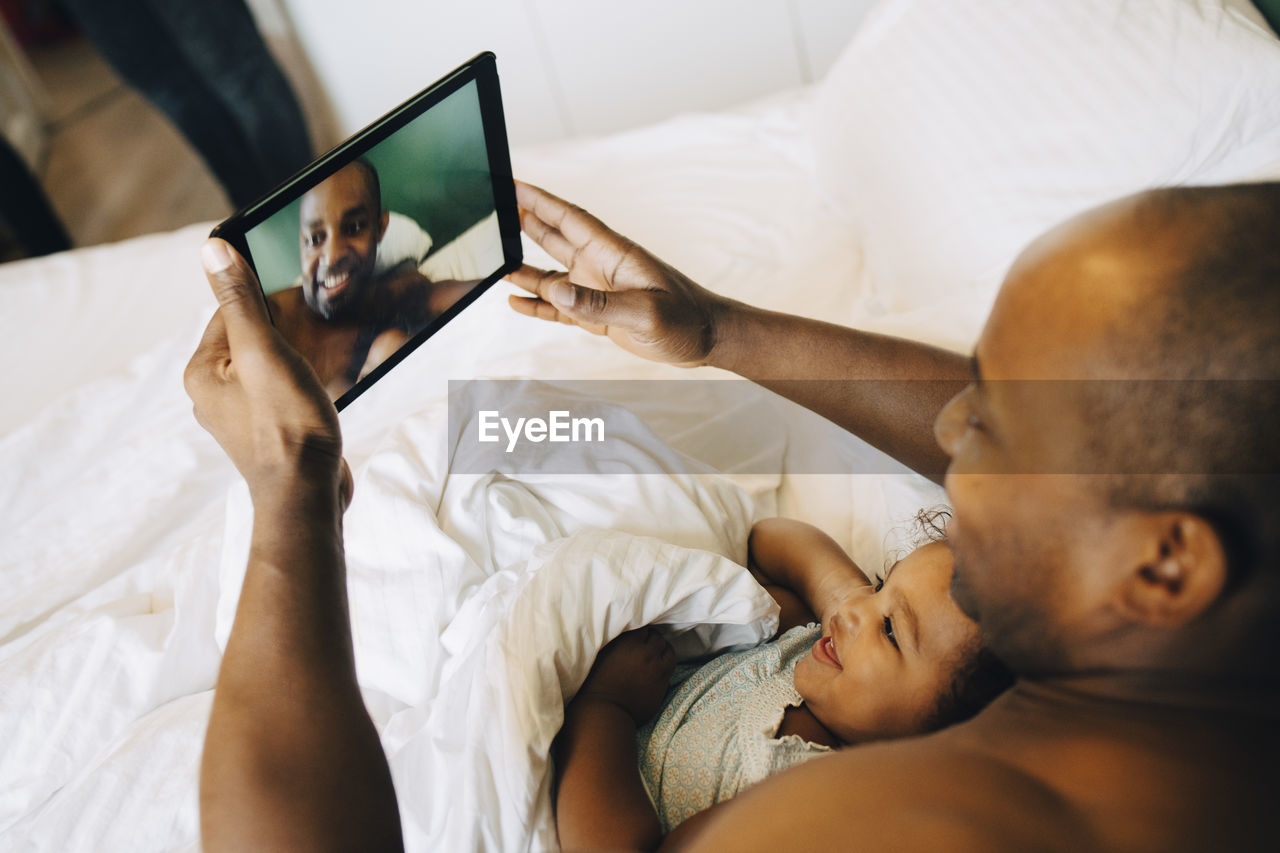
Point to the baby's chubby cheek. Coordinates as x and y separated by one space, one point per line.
807 677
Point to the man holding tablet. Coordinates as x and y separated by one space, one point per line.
362 222
1129 572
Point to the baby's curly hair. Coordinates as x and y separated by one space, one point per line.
929 524
978 676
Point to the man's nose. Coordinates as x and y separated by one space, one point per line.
335 249
948 427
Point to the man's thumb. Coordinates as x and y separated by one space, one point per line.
235 287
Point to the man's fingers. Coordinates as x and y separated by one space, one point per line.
346 486
587 307
532 306
566 227
547 237
533 279
557 212
552 289
210 355
571 304
240 299
550 286
549 208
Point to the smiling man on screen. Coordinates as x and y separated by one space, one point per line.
346 317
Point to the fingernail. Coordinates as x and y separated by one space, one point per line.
215 255
562 294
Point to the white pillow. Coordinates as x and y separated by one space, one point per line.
403 240
952 132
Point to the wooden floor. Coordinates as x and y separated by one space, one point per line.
115 167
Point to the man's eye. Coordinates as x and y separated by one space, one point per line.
354 228
888 632
315 238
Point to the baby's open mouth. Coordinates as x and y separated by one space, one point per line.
824 651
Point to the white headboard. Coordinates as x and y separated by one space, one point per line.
568 67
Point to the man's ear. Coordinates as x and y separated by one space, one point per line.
1179 570
382 224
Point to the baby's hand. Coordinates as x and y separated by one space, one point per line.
633 673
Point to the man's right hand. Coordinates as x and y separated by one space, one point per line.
613 287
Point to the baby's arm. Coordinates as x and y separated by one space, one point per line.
804 569
600 799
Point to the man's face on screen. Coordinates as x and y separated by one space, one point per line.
341 227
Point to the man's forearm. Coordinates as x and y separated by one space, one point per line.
291 758
884 389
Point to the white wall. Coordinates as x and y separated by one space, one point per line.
568 67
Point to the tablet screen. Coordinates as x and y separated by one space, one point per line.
385 239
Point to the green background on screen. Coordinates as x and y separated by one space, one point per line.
434 170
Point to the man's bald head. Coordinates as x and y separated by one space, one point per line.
371 182
1202 435
1130 363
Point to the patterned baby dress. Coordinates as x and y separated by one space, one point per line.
714 736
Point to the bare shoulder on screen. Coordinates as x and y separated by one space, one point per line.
285 305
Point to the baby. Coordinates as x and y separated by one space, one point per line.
888 660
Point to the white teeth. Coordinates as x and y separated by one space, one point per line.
332 281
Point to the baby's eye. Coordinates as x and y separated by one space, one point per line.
879 585
888 631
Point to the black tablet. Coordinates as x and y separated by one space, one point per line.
368 251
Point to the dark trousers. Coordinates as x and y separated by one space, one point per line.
205 65
25 208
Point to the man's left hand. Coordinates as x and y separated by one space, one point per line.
255 394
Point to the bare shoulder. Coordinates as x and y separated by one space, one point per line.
285 303
404 277
925 794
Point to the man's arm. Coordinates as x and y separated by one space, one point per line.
886 390
291 758
411 300
806 572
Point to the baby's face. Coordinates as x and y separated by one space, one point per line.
886 656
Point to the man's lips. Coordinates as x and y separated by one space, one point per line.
335 282
824 651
